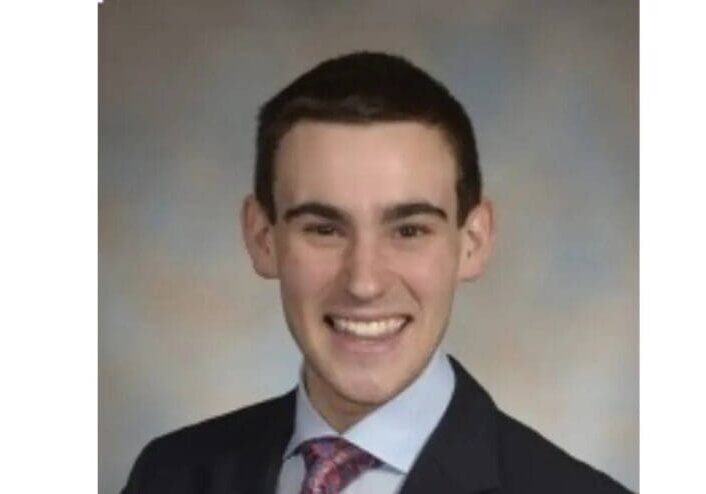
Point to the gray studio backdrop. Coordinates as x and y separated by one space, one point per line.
187 330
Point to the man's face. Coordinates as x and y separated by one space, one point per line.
368 253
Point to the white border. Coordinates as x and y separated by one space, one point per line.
672 246
48 214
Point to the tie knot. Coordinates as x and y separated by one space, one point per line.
332 463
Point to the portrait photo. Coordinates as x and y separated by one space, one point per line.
408 230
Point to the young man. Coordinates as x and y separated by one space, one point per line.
368 210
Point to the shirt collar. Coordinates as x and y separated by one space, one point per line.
396 431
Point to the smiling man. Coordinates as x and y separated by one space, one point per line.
368 211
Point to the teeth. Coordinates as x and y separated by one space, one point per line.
368 329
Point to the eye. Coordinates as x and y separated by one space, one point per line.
412 230
322 229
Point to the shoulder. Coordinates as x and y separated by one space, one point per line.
217 434
529 459
505 452
207 442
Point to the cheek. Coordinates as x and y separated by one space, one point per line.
431 273
305 274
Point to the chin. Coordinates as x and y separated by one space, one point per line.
370 392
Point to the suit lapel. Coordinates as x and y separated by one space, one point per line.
461 455
277 441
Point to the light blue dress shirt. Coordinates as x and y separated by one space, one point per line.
395 432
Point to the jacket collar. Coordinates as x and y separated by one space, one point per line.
462 453
275 442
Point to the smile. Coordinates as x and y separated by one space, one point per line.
369 329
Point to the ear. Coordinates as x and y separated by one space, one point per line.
258 235
478 238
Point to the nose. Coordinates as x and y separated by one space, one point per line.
365 272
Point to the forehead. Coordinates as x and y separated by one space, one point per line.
364 165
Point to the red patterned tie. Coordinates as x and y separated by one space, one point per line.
332 463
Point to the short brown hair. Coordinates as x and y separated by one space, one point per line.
365 88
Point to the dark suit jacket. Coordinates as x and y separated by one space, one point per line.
475 448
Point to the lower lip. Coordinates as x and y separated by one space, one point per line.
359 344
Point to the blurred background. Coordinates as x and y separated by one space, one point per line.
187 330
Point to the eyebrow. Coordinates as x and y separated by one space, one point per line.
390 214
404 210
317 209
